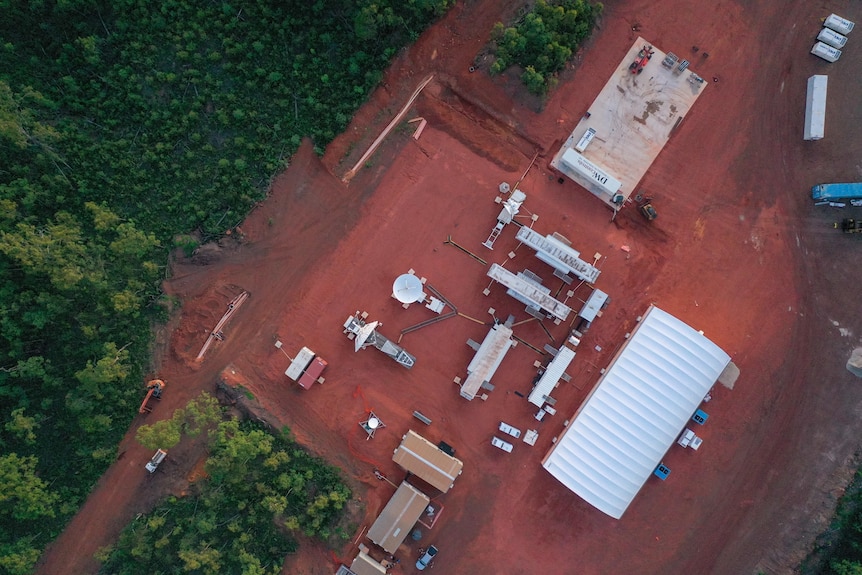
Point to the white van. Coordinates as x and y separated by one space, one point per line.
826 52
832 38
839 24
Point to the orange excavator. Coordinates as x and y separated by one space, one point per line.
154 391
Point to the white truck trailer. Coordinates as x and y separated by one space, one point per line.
815 108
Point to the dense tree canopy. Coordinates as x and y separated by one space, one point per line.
543 40
125 125
260 489
838 551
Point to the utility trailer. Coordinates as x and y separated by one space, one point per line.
306 368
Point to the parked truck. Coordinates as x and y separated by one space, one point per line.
154 462
829 192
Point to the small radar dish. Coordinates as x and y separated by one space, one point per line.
407 289
373 423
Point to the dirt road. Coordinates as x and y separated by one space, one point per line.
738 251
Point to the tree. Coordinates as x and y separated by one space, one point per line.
23 495
543 41
533 80
21 426
199 415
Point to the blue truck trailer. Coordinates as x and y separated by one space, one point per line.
828 192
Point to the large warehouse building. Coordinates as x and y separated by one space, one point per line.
636 411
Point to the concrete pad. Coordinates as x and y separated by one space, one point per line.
634 116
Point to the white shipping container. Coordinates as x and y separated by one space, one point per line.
839 24
815 108
826 52
585 140
832 38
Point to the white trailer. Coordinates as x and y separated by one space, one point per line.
585 140
839 24
509 430
831 37
826 52
500 444
815 108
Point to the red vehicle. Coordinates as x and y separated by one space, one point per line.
154 391
643 57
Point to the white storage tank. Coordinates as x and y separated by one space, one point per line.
839 24
826 52
831 37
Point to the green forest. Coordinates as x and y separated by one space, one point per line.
259 489
124 127
838 551
543 40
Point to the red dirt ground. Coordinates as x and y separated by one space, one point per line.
738 251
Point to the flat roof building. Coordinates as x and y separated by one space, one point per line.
398 517
427 461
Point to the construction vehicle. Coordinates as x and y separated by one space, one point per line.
644 56
156 460
850 226
154 391
646 208
648 211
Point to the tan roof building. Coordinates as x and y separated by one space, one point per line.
364 564
398 517
425 460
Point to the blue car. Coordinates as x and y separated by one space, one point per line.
426 559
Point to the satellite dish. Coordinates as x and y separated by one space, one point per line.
407 288
373 423
364 333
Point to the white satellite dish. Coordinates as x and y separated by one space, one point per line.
364 333
373 423
407 288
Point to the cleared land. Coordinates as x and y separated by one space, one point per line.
738 251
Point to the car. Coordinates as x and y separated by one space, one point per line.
426 558
157 458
